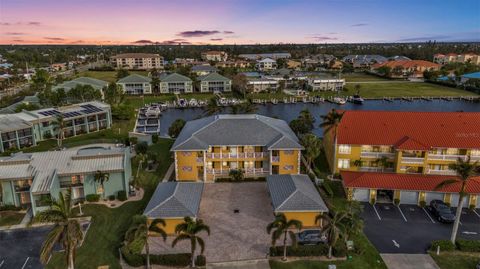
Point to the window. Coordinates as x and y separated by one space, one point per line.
186 168
344 163
344 149
186 153
288 167
288 152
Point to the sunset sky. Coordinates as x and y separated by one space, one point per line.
236 21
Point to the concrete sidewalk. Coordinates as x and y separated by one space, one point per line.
248 264
409 261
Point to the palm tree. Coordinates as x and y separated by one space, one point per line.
312 146
141 232
67 231
283 226
189 230
382 162
466 171
330 123
334 227
101 177
59 126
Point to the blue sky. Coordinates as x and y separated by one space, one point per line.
237 21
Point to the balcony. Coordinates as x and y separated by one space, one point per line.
199 159
275 159
241 155
375 169
413 160
70 184
441 172
376 155
453 158
248 171
25 188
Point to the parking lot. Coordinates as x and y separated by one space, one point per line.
410 229
20 248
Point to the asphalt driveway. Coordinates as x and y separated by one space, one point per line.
410 229
236 236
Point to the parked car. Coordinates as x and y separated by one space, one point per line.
311 237
442 211
478 265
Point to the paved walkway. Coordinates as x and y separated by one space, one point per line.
409 261
169 172
250 264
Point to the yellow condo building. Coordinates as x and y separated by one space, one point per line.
209 148
403 156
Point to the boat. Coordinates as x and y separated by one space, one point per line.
182 102
193 102
357 99
339 100
153 111
223 101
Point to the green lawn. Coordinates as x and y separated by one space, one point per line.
109 225
456 259
110 76
8 218
361 77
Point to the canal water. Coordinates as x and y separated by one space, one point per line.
289 112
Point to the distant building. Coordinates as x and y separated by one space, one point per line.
292 64
24 129
407 69
215 82
262 84
326 84
266 64
216 56
142 61
175 83
136 84
233 64
470 76
362 61
187 62
58 67
82 81
257 56
399 58
202 70
456 58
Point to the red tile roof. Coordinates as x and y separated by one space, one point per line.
411 182
411 130
407 64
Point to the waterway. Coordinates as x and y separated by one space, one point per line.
289 112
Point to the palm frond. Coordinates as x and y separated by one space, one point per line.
446 183
180 237
47 246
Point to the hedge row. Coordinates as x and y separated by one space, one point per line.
177 260
339 250
9 208
460 244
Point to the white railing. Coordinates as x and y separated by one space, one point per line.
241 155
375 169
368 154
441 172
275 159
199 159
442 157
247 171
416 160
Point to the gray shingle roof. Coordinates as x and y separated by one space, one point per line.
294 193
175 200
95 83
204 68
213 77
246 129
135 78
174 77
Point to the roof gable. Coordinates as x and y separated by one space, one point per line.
135 78
175 77
213 77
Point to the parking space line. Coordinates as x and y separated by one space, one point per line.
426 212
401 212
476 213
25 262
1 263
378 215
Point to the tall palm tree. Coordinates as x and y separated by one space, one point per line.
67 231
59 127
141 232
466 172
313 147
281 226
189 230
101 177
330 123
334 227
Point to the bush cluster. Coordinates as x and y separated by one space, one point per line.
340 250
177 260
122 195
200 260
92 197
468 245
9 208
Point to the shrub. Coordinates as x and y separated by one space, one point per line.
237 174
154 138
111 197
423 203
373 201
471 207
300 251
122 195
134 260
92 197
328 188
200 260
180 259
445 245
10 208
340 249
468 245
133 140
311 176
141 148
396 201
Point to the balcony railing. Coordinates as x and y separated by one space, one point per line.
68 184
415 160
441 172
275 159
368 154
375 169
442 157
199 159
241 155
22 188
248 171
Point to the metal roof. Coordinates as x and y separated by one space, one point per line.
135 78
196 68
95 83
294 193
175 200
10 123
175 77
213 77
233 130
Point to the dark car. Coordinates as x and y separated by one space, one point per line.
311 237
442 211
